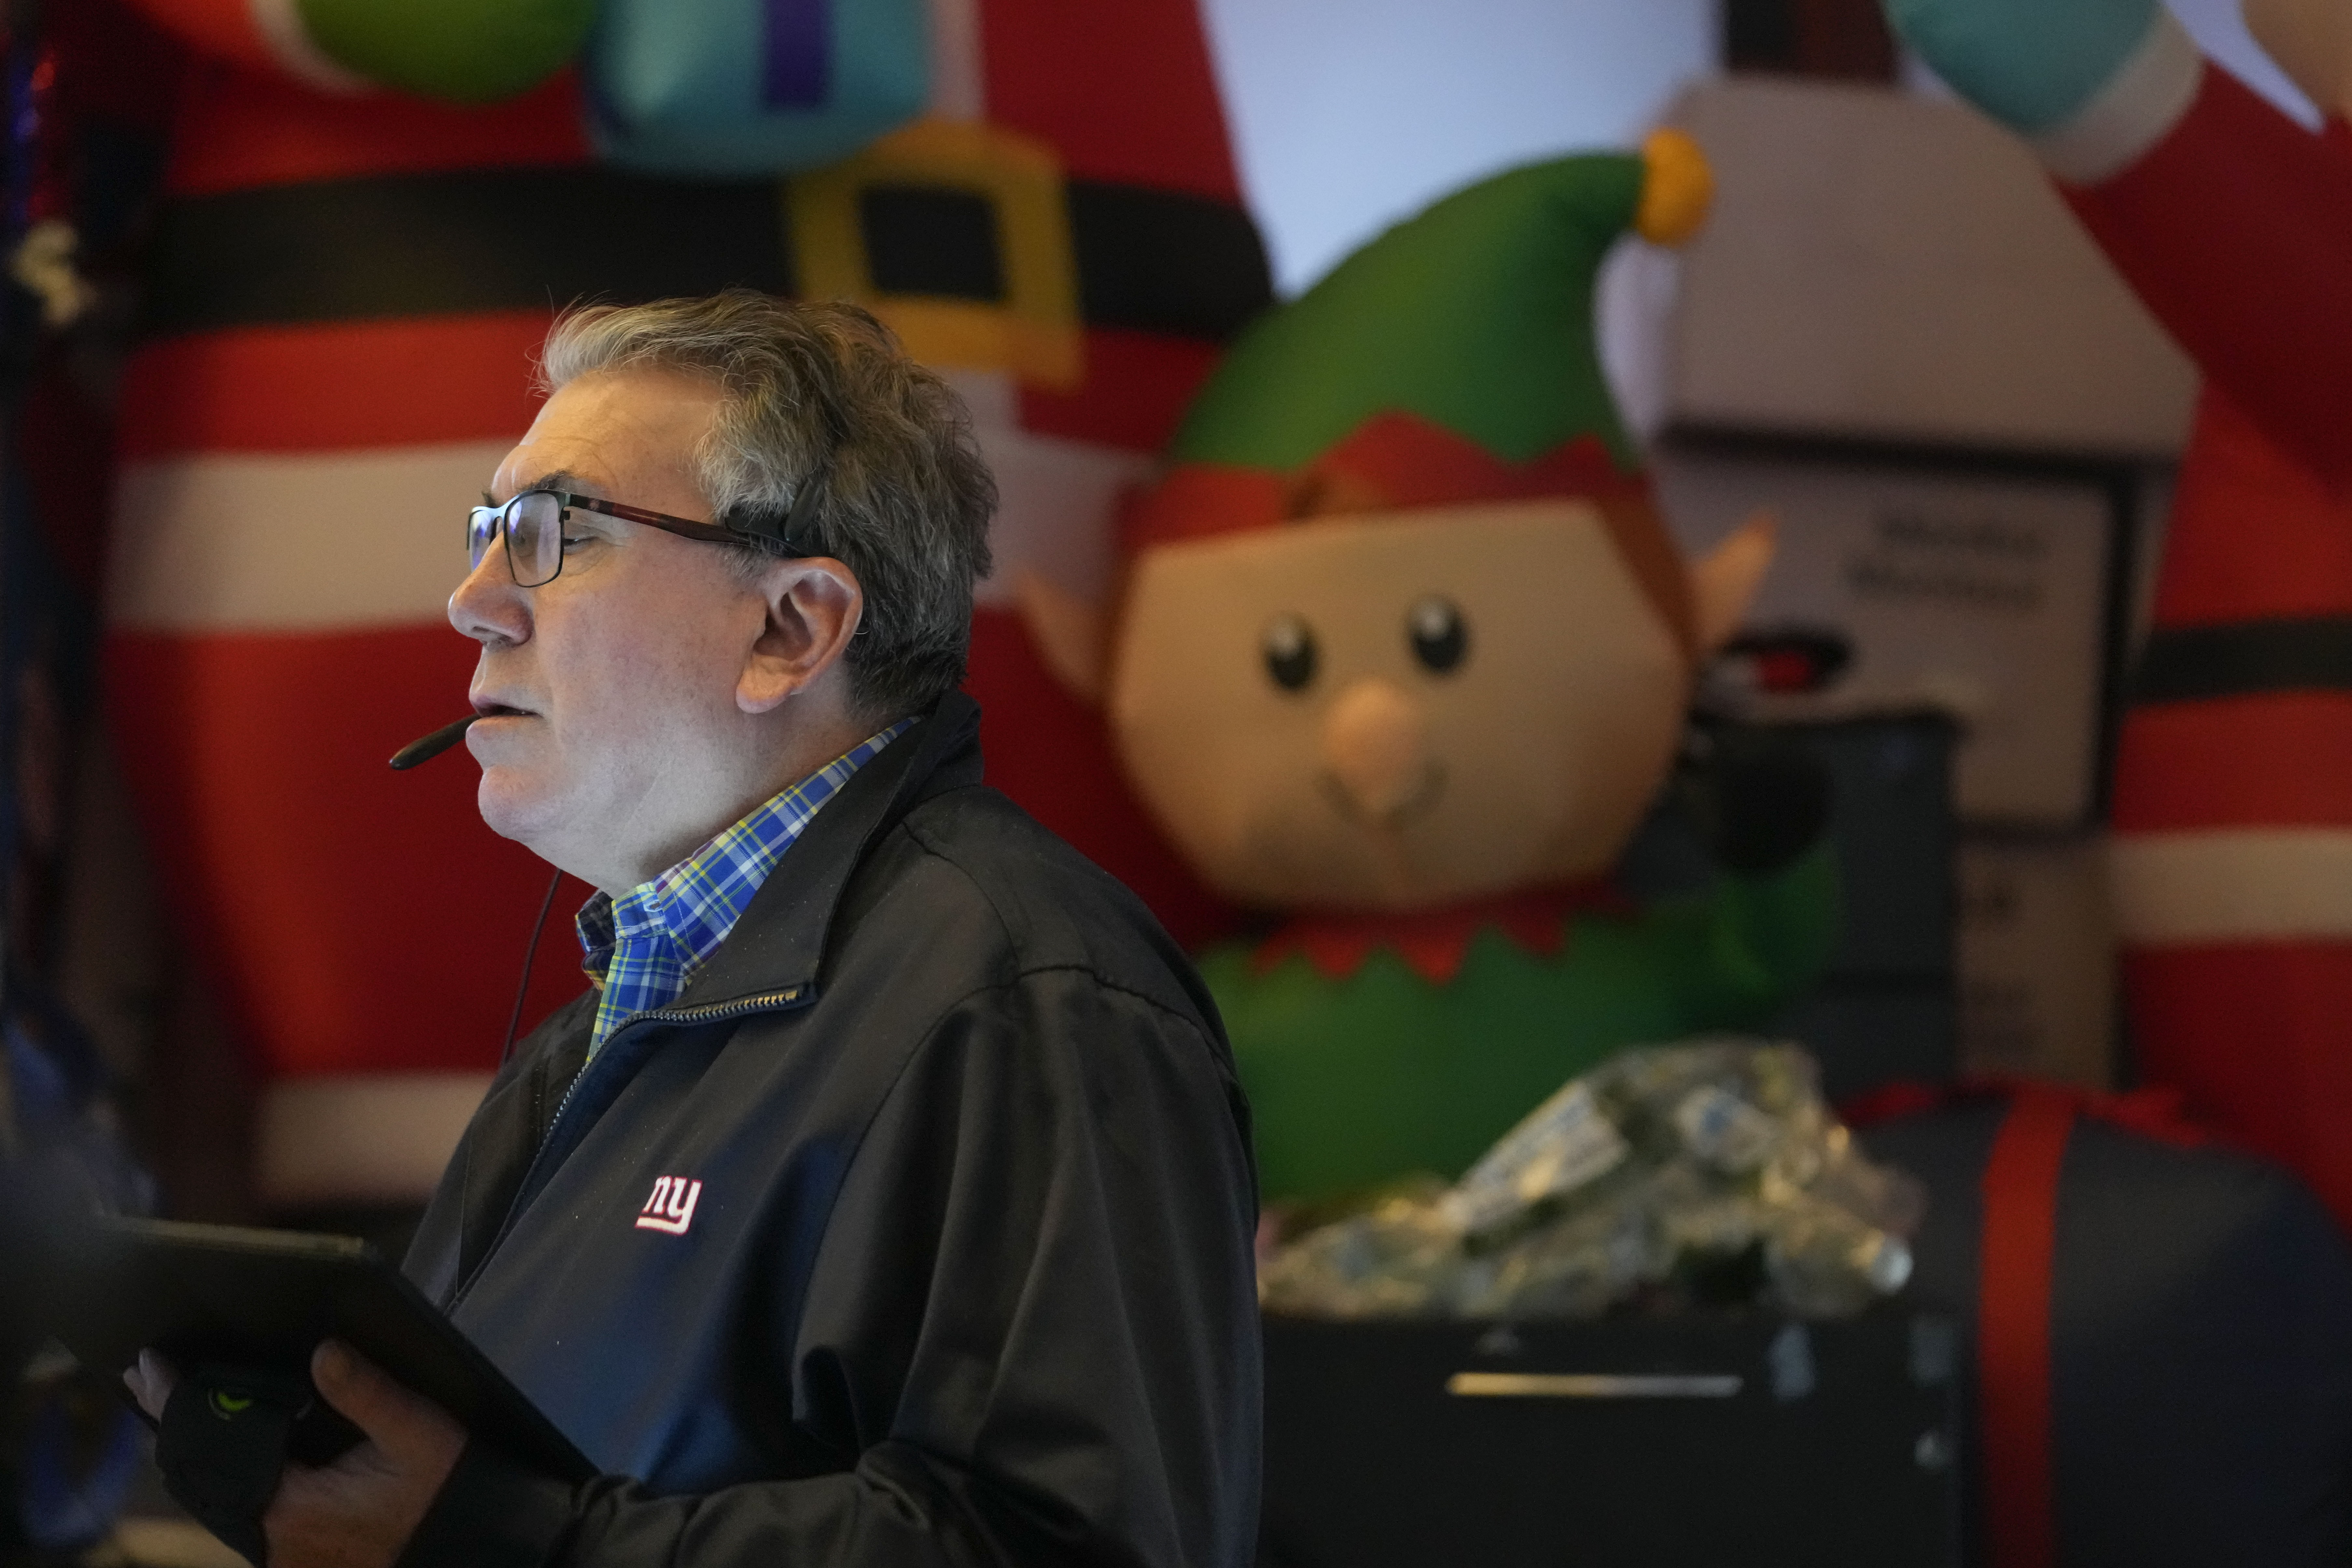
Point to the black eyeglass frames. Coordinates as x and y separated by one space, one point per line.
532 525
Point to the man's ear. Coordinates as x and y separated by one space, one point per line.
1071 635
1724 582
2311 40
812 608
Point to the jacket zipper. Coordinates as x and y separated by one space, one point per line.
707 1013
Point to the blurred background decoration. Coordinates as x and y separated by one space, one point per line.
275 271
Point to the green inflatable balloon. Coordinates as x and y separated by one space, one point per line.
464 51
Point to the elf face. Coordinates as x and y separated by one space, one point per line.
1397 711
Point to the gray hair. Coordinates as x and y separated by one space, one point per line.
822 395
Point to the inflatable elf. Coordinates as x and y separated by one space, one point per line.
2232 853
1403 655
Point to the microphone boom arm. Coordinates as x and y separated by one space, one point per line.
427 747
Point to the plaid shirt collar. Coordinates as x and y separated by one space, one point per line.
644 946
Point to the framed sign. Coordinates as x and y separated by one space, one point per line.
1992 593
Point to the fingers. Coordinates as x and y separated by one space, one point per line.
150 1381
414 1432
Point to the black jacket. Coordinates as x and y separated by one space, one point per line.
967 1278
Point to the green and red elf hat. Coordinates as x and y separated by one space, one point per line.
1451 360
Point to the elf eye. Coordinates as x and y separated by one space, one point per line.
1289 649
1439 636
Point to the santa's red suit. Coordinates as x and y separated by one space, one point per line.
346 295
2232 852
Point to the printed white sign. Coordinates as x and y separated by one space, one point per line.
1984 595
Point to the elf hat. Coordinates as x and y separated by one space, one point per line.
1451 360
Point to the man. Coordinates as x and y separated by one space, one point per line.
889 1200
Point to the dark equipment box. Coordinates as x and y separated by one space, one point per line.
2196 1375
1885 1008
1740 1441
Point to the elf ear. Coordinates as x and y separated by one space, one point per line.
1724 582
1070 634
2311 40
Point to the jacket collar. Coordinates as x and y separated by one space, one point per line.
779 944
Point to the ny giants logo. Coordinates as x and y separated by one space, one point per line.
671 1208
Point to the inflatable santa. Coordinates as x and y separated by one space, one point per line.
2232 851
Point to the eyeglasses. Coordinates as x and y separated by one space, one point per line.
532 525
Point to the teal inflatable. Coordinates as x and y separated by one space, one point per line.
752 86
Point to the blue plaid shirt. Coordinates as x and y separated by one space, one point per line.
644 946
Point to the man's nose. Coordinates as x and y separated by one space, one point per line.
1376 743
487 606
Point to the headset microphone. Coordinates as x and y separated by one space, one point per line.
426 748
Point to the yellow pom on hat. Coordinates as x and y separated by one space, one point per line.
1677 187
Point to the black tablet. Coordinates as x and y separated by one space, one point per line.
262 1300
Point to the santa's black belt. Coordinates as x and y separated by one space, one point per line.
2246 658
526 239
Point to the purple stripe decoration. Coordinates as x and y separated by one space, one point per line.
797 59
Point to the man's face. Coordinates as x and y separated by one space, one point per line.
611 742
1399 709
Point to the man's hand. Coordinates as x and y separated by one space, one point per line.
359 1511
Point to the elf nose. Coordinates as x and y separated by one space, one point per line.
1376 745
